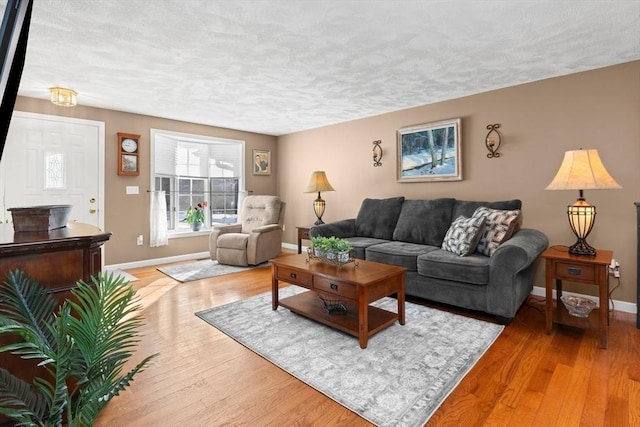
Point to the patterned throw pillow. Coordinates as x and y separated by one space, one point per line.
500 225
463 235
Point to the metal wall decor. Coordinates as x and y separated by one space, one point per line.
377 153
493 140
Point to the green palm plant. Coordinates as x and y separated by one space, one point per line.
82 344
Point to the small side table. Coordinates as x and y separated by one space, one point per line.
303 233
593 270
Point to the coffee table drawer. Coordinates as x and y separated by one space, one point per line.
290 275
334 287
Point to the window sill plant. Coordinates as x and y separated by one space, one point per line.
195 215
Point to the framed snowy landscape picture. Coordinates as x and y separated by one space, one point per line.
430 152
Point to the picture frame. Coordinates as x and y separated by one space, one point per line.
418 146
261 164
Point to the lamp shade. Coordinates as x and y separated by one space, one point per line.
318 183
582 170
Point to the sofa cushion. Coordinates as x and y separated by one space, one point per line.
441 264
424 221
362 243
377 218
463 235
499 226
467 208
401 254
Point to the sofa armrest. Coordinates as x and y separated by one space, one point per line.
266 228
343 228
264 242
227 228
511 270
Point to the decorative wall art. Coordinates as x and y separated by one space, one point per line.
430 152
261 162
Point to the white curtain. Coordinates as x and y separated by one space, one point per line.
159 229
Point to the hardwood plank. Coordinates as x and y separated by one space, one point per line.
527 378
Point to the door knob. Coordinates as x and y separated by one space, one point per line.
93 211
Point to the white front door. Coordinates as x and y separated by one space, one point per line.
54 160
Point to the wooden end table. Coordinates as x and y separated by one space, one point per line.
593 270
368 282
303 233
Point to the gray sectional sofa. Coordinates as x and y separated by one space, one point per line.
454 252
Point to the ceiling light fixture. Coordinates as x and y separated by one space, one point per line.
63 97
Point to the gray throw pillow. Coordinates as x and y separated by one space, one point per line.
377 218
499 226
463 235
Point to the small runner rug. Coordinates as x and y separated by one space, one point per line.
202 269
127 276
400 379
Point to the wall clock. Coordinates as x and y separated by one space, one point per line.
128 154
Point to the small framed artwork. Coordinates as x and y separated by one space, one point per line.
261 162
430 152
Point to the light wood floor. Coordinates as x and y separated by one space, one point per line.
527 378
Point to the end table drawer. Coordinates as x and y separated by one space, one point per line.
294 276
345 290
569 271
303 233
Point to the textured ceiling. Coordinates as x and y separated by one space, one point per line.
280 66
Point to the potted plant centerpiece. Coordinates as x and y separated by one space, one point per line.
342 248
332 248
318 246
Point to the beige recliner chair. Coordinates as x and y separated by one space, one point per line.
256 238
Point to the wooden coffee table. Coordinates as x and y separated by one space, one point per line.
361 285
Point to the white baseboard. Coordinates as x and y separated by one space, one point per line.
156 261
292 246
623 306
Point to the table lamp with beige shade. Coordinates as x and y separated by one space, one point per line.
582 170
318 183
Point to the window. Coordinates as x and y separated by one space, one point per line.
54 171
193 169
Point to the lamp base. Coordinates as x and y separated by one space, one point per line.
581 247
318 222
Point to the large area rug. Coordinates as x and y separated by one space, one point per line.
202 269
400 379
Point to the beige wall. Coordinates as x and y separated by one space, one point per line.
596 109
127 216
539 121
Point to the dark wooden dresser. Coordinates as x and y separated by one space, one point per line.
56 258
